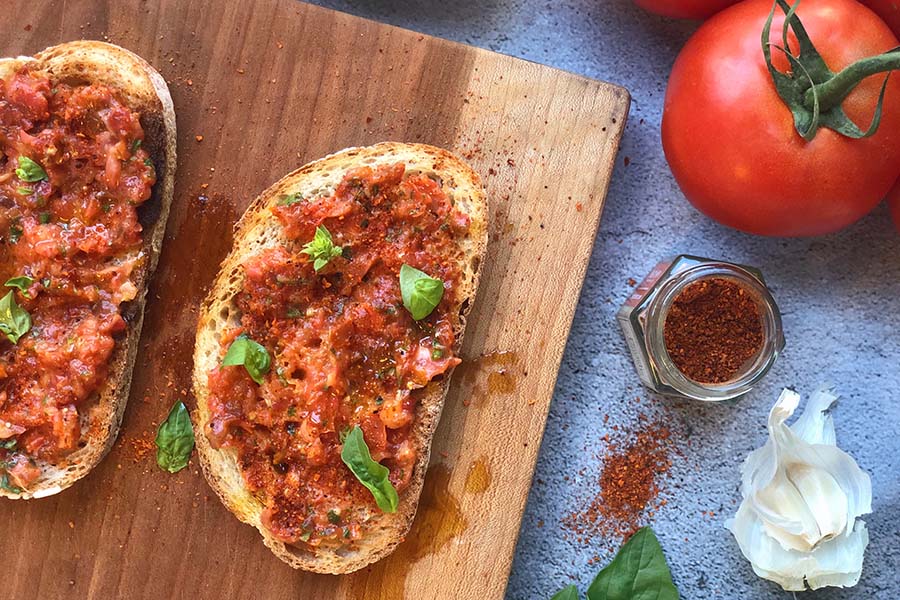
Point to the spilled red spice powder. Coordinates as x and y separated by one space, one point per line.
630 481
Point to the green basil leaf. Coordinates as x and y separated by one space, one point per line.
6 485
29 170
289 199
175 440
15 234
421 293
14 320
371 474
567 593
252 355
8 444
638 572
21 283
135 145
321 249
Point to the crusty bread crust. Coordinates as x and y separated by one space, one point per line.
259 229
144 91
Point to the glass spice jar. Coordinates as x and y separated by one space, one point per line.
702 329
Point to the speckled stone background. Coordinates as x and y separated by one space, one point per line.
840 296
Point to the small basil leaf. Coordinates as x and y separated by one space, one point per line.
252 355
6 485
21 283
8 444
371 474
14 320
29 170
289 199
421 294
175 440
638 572
15 234
567 593
321 249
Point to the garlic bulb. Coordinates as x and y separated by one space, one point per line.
802 495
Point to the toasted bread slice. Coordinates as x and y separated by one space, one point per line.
259 229
144 91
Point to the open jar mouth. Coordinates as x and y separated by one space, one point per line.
751 371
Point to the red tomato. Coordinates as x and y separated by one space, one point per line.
889 10
731 141
894 203
684 9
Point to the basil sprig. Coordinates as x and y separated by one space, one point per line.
175 440
421 294
371 474
638 572
30 171
14 320
321 249
252 355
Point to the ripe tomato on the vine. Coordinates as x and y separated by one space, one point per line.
731 139
888 10
894 204
684 9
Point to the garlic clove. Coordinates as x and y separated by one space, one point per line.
825 501
837 562
785 513
802 496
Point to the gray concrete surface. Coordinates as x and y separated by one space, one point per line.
840 296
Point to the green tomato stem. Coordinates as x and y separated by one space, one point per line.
832 93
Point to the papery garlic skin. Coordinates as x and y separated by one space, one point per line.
802 495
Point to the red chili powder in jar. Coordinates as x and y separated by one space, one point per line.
630 481
713 329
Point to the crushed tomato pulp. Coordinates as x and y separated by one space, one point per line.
75 235
345 351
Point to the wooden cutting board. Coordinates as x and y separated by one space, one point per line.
261 87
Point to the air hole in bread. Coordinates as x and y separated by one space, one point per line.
476 262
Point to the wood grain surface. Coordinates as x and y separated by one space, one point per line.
261 87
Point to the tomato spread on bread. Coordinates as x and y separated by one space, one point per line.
72 176
345 351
